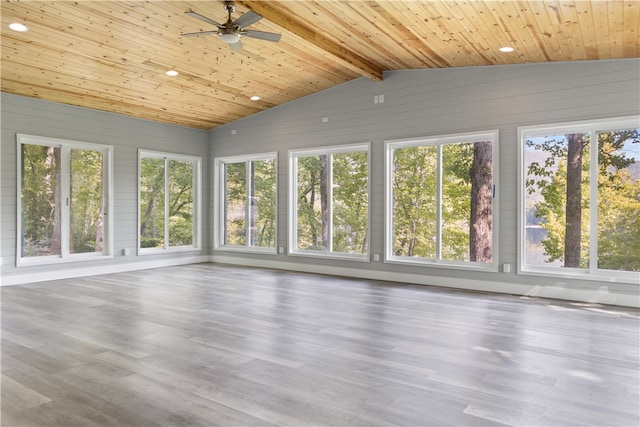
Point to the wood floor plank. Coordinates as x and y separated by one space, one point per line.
209 344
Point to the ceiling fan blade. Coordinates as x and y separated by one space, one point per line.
247 19
199 33
262 35
204 18
235 46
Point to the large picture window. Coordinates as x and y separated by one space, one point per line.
329 202
440 200
246 202
64 199
580 204
169 202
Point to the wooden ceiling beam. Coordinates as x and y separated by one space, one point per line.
345 57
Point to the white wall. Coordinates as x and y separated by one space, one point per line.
434 102
126 135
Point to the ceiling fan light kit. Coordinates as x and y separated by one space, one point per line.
230 37
231 31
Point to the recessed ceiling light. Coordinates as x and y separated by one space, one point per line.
255 98
16 26
172 73
506 49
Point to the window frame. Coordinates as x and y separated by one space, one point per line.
196 161
66 145
293 155
439 141
592 127
219 198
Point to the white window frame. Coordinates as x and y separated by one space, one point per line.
197 202
439 141
293 205
219 202
66 146
590 127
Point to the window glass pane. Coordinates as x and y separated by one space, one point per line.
619 200
350 202
180 187
467 196
313 217
414 201
235 210
557 200
86 233
263 204
152 187
41 200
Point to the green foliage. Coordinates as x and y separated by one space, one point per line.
177 214
414 201
259 229
456 201
263 203
86 205
235 203
618 223
415 193
309 204
42 201
350 202
38 198
180 203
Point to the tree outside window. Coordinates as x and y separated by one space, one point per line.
64 199
440 200
581 207
168 198
246 201
330 201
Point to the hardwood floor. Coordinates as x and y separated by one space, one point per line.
207 345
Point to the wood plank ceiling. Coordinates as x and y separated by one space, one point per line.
112 55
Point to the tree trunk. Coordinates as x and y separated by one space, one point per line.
480 223
324 205
573 226
158 184
148 212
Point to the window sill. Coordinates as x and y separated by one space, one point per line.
421 262
629 277
247 249
328 255
52 260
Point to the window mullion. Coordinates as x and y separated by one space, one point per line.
65 200
222 223
329 202
439 203
166 203
293 204
593 202
247 208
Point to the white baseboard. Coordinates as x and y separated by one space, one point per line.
40 276
600 295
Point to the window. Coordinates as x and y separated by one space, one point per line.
440 200
64 199
169 202
246 202
329 202
580 204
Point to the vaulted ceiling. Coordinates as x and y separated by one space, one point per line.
113 55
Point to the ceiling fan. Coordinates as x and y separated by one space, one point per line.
231 31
